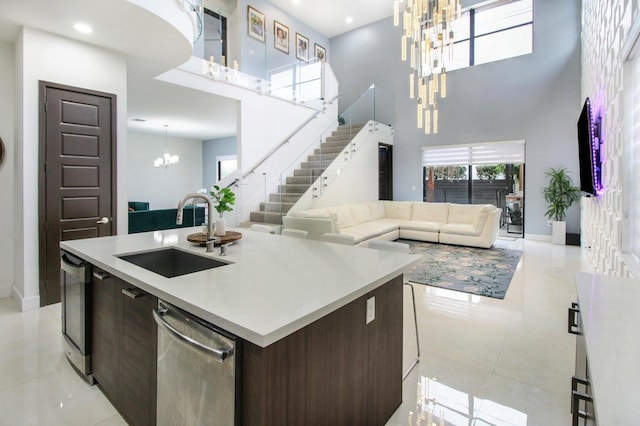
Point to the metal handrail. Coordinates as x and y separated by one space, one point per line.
235 182
287 139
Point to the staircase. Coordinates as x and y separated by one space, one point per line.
295 186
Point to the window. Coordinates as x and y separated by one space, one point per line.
492 31
226 165
473 174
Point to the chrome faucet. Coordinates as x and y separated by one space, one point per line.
211 238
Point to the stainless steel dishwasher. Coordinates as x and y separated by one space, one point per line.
75 294
198 374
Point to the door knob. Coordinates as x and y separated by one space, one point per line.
103 220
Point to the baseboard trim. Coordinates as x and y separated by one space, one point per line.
538 237
25 303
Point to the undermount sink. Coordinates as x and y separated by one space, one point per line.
171 262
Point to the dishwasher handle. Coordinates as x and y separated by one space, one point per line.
75 267
219 354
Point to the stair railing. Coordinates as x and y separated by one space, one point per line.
273 180
193 9
306 85
309 175
290 136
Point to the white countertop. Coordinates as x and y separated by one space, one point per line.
272 287
610 313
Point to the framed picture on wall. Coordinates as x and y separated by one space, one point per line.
319 52
302 47
281 37
255 22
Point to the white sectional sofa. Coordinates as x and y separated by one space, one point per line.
473 225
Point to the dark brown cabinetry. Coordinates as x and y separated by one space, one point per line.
124 347
338 370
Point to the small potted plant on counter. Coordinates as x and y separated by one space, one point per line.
560 194
225 199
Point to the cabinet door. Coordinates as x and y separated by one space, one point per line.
107 332
139 338
582 408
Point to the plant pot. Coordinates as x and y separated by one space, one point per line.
559 232
221 227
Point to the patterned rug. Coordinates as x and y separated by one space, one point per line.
485 272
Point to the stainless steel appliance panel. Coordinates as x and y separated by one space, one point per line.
198 380
75 292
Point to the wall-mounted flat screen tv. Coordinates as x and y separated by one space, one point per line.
589 151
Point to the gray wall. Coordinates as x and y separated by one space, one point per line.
533 97
210 150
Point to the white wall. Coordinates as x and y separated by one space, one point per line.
43 56
605 28
6 169
162 188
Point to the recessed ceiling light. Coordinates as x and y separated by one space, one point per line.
295 1
142 120
349 20
83 28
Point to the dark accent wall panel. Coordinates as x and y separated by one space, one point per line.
81 114
79 145
80 177
79 208
78 233
336 371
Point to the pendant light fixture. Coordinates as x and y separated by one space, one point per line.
167 159
427 41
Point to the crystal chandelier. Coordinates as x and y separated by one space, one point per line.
427 39
167 159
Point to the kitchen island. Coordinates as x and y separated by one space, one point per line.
310 355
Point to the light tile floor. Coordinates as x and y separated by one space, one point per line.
484 361
495 362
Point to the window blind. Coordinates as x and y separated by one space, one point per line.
507 152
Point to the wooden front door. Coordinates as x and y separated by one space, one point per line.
77 178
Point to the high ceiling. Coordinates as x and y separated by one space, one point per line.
329 16
189 113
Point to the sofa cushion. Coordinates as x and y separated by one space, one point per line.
156 220
482 215
368 230
396 222
315 226
398 209
344 219
376 208
360 213
460 229
463 213
309 213
421 225
430 212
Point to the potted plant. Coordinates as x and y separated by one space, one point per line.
225 199
560 194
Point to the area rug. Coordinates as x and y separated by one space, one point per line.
485 272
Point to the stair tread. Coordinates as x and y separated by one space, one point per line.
302 178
